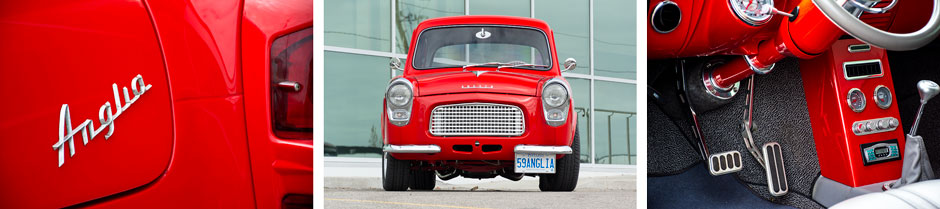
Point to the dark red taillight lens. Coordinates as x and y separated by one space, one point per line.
292 85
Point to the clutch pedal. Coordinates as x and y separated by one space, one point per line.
725 163
776 173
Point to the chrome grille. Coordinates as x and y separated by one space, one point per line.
477 119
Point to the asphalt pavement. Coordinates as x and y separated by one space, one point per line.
357 187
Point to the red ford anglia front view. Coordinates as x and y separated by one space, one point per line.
480 97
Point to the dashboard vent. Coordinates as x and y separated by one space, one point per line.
862 69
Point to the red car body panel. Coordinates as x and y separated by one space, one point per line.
196 139
517 87
837 147
46 46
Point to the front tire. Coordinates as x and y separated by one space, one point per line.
423 180
565 178
395 173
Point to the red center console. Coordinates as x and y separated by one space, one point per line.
855 119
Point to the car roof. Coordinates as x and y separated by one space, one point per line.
483 19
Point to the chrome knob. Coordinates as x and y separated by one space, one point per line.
883 124
893 123
927 90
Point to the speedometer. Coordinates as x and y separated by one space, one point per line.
753 12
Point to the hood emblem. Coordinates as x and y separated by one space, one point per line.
474 86
483 34
105 116
478 73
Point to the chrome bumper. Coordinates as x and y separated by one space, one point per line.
411 148
535 149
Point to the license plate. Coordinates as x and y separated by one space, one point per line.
534 163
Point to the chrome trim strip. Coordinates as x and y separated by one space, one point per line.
860 48
846 74
536 149
428 149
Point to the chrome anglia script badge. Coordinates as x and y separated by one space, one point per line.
105 117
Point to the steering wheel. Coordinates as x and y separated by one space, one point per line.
874 36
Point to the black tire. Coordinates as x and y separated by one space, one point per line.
395 173
567 168
423 180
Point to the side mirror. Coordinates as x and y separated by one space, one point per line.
570 64
395 64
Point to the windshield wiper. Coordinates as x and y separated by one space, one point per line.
484 64
500 65
520 65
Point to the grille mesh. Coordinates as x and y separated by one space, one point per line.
477 119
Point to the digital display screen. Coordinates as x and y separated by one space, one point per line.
881 151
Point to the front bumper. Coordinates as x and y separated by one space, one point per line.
427 149
538 137
535 149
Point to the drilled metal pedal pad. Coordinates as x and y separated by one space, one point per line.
725 163
773 166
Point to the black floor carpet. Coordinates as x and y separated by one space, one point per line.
780 115
906 69
696 188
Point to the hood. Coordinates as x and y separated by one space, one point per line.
489 81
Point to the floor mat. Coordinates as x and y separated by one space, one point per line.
696 188
780 115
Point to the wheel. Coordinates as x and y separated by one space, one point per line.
395 173
423 180
566 170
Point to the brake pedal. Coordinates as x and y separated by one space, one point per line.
773 166
725 163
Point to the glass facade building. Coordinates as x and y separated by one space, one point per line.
361 36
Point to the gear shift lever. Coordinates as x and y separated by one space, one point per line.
916 166
926 89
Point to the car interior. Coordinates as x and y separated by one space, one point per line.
818 114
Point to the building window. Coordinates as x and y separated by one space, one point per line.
358 24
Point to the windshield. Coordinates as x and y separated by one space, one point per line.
446 47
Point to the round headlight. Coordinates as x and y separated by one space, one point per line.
399 95
554 95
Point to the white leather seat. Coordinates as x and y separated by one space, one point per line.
925 194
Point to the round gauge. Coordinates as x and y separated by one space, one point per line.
883 97
753 12
856 100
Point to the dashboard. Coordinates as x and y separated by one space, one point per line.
695 28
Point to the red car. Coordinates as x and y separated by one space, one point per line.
804 103
156 104
480 97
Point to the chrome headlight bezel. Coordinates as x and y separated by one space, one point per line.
556 115
399 114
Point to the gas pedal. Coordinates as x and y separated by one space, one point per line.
773 166
725 163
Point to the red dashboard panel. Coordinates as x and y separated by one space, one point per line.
837 146
711 28
54 55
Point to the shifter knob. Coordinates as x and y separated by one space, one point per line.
926 89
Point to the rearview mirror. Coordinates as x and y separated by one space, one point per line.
570 64
395 64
